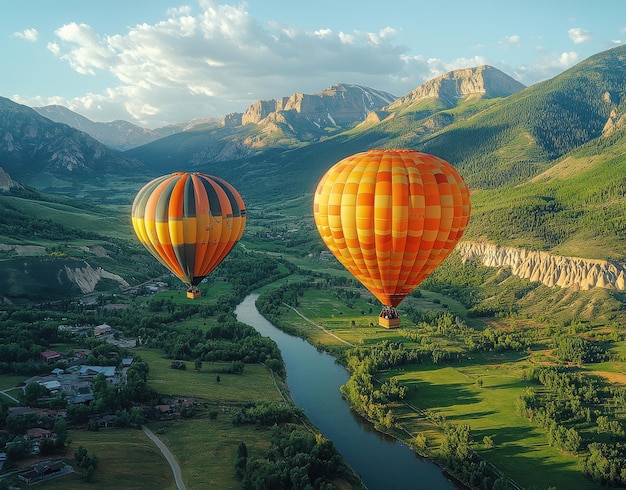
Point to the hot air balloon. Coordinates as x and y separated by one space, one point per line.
391 217
189 222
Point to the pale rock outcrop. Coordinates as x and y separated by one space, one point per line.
551 270
87 277
6 182
614 122
23 250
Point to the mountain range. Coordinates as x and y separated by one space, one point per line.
118 135
544 163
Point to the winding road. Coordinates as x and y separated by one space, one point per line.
178 477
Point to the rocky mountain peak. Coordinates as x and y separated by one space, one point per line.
334 106
482 81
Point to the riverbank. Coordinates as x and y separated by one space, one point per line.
401 434
454 383
314 378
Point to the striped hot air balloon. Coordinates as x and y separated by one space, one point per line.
189 222
391 217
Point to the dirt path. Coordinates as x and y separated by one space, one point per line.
318 326
178 477
9 396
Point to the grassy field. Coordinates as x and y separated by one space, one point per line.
128 459
254 385
204 448
520 448
9 381
480 392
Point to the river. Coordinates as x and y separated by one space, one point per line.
314 378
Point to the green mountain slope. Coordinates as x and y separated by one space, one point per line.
544 170
52 248
575 208
543 174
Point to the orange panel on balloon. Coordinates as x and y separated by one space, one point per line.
391 217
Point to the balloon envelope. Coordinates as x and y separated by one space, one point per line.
391 217
189 222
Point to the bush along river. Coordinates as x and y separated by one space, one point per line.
314 378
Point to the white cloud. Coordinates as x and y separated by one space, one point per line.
509 41
205 62
27 34
545 67
210 60
54 48
87 52
579 35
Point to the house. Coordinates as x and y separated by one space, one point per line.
52 386
50 356
80 392
21 411
39 433
186 402
44 471
109 373
102 421
103 329
165 411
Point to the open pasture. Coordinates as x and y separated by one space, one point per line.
254 385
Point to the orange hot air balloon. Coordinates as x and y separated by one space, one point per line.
189 222
391 217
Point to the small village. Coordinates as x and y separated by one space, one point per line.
65 394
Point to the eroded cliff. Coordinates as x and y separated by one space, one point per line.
551 270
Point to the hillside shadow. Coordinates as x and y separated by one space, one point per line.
476 415
512 456
428 395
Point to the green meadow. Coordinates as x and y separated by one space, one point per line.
127 459
479 391
256 384
205 447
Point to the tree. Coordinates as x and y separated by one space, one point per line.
33 391
87 463
421 440
242 459
60 429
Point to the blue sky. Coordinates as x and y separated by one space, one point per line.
157 62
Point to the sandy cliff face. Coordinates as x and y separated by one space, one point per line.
551 270
6 182
87 277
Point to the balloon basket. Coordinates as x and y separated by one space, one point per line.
193 294
389 322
